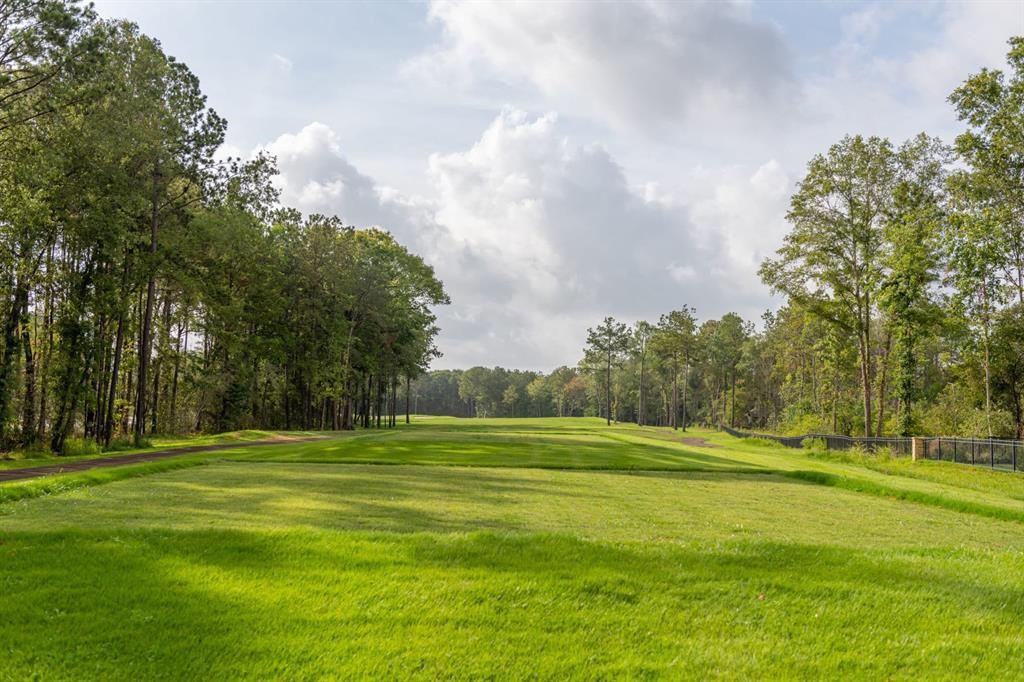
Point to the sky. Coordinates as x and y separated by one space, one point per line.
560 162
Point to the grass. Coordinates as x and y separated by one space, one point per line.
474 554
86 450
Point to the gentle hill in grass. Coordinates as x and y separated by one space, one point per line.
518 548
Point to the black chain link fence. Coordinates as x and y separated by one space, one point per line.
899 446
994 453
991 452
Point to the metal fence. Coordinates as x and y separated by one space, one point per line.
899 446
991 452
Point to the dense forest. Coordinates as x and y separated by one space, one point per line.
903 275
148 287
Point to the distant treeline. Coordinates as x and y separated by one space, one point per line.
904 279
147 288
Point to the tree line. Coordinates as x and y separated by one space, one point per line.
903 277
148 287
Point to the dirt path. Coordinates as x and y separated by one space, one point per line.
115 460
697 441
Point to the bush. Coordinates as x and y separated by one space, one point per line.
884 452
859 451
74 447
761 442
814 445
126 443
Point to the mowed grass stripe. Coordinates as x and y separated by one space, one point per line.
305 604
589 444
251 568
613 506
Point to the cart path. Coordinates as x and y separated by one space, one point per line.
113 461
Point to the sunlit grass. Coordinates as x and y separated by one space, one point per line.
612 506
541 548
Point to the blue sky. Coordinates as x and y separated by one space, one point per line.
557 162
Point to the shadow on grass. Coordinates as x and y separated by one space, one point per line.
225 604
536 452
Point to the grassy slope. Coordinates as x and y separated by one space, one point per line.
589 444
265 568
21 460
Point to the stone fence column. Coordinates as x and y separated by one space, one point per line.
918 448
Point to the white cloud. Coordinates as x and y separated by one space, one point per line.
281 63
537 238
640 66
874 84
973 35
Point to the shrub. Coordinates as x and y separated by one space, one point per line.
884 452
814 445
761 442
74 447
126 443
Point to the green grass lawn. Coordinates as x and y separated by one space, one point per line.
21 460
517 548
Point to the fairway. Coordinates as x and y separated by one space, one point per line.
512 548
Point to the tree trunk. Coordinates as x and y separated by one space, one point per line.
153 424
835 401
147 320
865 379
100 384
44 375
674 417
173 417
12 347
882 388
732 408
686 380
28 412
108 427
640 397
987 360
608 390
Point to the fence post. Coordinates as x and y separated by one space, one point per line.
917 450
974 448
1014 455
992 453
954 450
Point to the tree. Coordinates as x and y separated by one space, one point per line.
606 344
673 340
642 333
973 275
831 262
911 263
992 105
176 137
731 336
45 45
1008 363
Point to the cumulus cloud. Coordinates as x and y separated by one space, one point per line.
639 66
316 177
535 237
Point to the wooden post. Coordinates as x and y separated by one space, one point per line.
918 449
